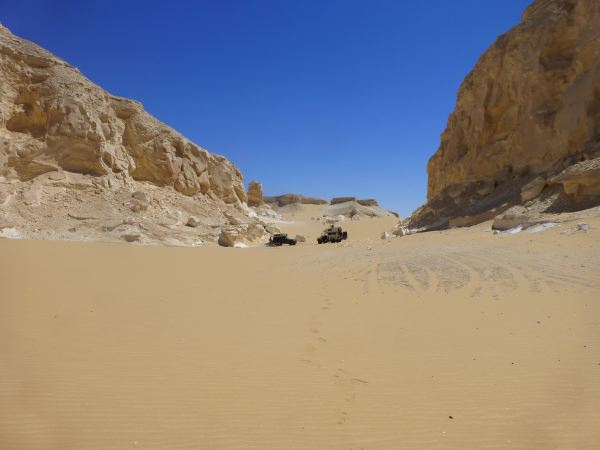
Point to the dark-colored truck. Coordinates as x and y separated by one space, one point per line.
333 235
277 240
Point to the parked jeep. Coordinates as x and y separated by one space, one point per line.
277 240
333 235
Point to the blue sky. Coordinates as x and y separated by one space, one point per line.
319 97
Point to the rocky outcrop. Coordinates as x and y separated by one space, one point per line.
67 144
529 110
365 202
581 180
288 199
255 194
338 200
52 117
368 202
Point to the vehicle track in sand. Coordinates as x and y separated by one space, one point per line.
475 273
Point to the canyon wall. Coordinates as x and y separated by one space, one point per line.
529 110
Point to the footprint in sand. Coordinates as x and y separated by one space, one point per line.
342 377
310 362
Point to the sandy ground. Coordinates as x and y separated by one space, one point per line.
457 340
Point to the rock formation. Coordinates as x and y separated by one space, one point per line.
365 202
288 199
230 236
353 209
69 147
53 118
529 110
368 202
338 200
255 194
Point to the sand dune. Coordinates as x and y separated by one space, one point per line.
455 339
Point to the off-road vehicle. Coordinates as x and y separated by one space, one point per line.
333 235
277 240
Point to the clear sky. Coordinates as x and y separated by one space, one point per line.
318 97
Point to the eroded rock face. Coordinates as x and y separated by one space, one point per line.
52 117
529 109
79 163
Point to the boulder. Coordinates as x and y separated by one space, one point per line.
141 201
230 236
514 217
141 196
192 222
300 238
532 189
131 237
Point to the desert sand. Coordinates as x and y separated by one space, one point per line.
454 339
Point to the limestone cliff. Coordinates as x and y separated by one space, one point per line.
66 145
529 109
52 117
